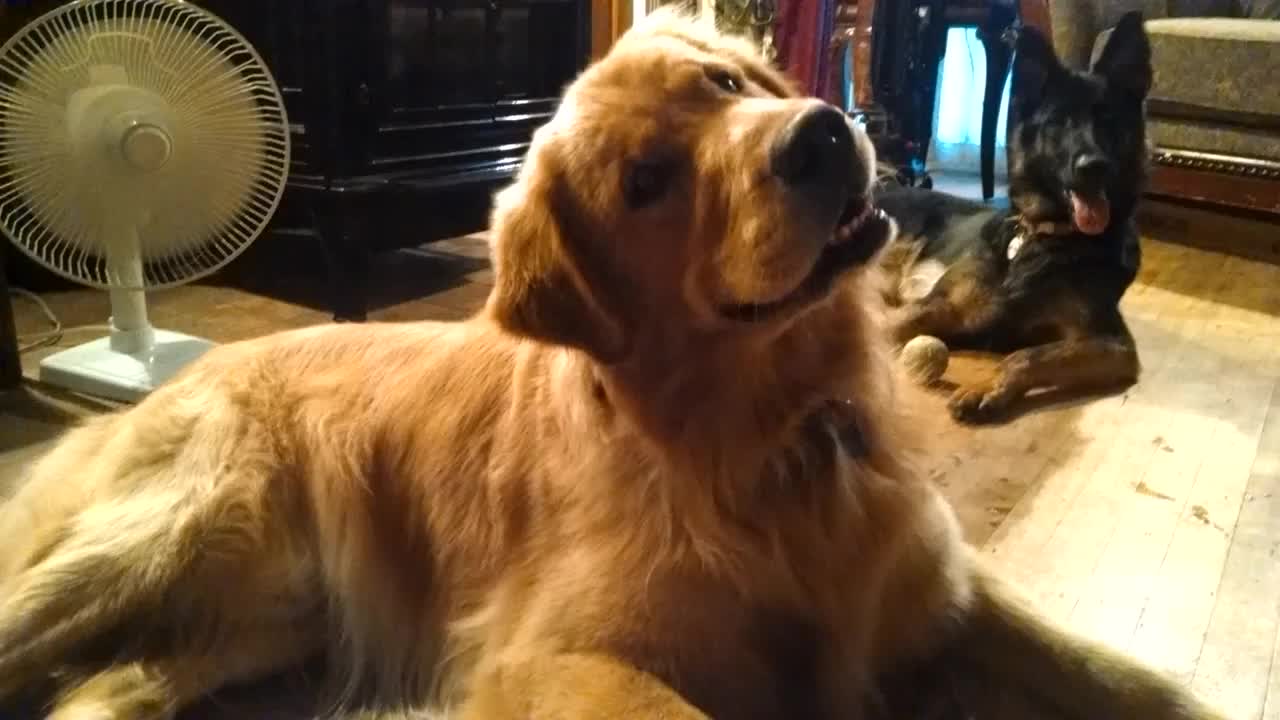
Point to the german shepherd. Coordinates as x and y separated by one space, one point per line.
1039 282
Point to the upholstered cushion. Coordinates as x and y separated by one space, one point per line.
1173 133
1222 65
1076 23
1262 9
1214 83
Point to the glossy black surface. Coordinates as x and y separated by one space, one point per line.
406 114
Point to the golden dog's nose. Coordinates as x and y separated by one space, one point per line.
814 152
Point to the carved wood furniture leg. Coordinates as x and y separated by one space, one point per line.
862 92
348 261
999 59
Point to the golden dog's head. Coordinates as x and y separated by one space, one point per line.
683 187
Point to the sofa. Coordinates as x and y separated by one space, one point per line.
1214 108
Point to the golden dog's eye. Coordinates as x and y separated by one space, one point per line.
724 80
645 183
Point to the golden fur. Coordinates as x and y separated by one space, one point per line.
596 499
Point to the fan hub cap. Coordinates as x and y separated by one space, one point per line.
146 147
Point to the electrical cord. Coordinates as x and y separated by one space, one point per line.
33 341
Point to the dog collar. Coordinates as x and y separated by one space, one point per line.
1027 230
1048 228
842 417
1015 245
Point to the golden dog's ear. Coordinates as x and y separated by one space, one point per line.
551 284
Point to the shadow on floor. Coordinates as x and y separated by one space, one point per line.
986 471
1243 250
292 268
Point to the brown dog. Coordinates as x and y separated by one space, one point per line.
660 476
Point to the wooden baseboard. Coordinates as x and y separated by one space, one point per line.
1219 179
1211 227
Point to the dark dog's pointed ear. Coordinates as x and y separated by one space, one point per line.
548 283
1034 64
1126 60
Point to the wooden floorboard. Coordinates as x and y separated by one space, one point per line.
1072 510
1155 497
1266 479
1171 628
1154 522
1236 661
1136 499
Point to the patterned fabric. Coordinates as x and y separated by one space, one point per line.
1206 57
1205 136
1215 63
1076 23
1263 9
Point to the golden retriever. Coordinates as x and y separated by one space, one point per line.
661 475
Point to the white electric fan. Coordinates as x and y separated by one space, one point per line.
143 144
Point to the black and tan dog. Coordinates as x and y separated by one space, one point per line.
1041 281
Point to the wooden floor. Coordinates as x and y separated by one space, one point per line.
1149 520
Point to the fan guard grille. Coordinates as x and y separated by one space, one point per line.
230 143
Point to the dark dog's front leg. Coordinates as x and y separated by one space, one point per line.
925 317
963 304
942 317
1068 365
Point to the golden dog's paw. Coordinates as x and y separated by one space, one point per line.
91 710
978 403
125 692
85 711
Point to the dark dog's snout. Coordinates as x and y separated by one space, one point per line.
815 150
1091 170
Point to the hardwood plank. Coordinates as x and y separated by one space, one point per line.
1028 537
1170 632
987 472
1170 418
1236 661
1267 465
1044 567
1104 502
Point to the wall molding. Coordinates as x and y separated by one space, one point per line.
1214 162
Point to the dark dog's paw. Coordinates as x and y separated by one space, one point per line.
977 404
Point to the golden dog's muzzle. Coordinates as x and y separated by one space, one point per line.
815 159
824 167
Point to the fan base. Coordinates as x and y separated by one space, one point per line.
95 369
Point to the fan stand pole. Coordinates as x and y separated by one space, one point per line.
131 332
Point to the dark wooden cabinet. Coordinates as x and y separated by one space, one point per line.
407 114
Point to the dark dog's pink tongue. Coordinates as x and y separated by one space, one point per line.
1091 215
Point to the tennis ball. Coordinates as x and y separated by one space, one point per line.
925 359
